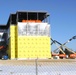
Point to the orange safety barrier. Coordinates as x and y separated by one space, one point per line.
55 54
23 20
38 20
62 55
28 20
72 55
31 21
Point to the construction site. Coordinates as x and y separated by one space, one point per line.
26 41
27 35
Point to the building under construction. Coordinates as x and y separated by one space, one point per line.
28 35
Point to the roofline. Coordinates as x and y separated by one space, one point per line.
33 11
2 24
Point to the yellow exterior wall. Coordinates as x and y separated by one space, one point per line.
11 50
16 35
28 46
33 47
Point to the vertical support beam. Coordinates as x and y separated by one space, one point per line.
37 16
27 15
36 66
17 18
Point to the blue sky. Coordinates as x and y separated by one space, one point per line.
62 15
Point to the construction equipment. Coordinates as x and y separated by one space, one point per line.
67 52
3 42
61 54
74 37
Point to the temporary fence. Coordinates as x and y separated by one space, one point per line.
37 67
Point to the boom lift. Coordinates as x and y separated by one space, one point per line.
67 50
74 37
61 51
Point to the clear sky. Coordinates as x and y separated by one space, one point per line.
62 15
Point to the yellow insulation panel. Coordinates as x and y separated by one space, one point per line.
28 46
33 47
11 51
16 35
